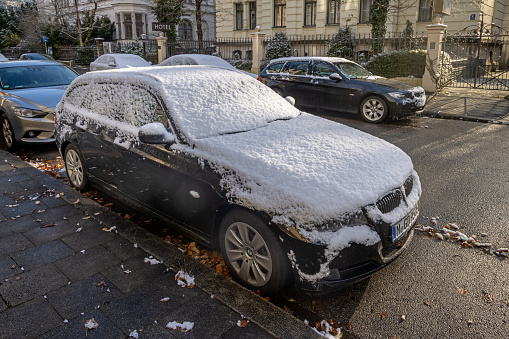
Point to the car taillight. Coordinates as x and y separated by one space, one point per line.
258 78
55 117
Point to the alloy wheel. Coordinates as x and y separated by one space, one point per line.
7 132
248 254
74 168
373 110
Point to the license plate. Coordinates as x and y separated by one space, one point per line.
402 227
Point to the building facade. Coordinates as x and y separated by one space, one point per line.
238 18
133 19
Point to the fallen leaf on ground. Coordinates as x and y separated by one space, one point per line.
91 324
242 323
462 291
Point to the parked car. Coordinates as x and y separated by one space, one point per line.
339 84
288 197
118 60
200 59
3 58
29 94
36 56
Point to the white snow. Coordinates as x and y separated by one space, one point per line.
134 334
186 325
194 194
195 59
152 261
183 279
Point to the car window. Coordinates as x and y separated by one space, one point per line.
352 70
35 76
102 59
275 68
296 68
323 69
137 107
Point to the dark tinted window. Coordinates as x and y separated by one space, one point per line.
323 69
275 68
296 68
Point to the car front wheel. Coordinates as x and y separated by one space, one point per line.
374 109
253 253
8 134
75 169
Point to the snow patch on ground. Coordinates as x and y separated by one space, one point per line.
186 326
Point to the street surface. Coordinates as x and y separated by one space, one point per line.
435 289
440 288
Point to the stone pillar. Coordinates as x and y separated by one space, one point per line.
99 43
258 51
161 47
433 52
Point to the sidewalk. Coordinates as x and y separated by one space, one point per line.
60 267
469 104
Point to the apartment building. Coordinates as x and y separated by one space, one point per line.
238 18
134 19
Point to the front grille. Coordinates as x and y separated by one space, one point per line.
389 202
408 185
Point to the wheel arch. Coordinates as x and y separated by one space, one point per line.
374 94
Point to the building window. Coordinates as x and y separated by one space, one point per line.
365 6
425 10
127 17
279 13
252 15
310 13
139 24
333 12
239 14
186 30
128 31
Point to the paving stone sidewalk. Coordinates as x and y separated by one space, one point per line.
469 104
60 267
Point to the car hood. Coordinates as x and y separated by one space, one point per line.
304 171
38 98
388 83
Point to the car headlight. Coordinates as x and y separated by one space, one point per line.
350 219
29 113
397 95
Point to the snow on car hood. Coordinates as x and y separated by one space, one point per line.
306 170
39 98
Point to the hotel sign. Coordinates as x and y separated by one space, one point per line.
158 26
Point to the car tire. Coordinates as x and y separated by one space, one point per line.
253 253
278 91
374 109
8 134
75 169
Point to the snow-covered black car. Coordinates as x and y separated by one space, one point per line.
288 197
338 84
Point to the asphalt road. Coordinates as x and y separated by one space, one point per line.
441 289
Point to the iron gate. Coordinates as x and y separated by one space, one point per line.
475 57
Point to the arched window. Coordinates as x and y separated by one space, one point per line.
186 30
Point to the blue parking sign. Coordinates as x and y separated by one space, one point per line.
472 16
44 39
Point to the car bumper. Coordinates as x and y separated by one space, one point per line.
33 130
353 264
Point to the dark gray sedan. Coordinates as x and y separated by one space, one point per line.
29 94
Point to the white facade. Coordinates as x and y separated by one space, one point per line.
133 18
313 17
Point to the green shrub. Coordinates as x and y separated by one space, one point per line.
402 63
278 47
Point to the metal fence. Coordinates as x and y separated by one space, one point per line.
146 49
226 48
475 58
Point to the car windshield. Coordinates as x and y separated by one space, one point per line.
35 76
352 70
39 57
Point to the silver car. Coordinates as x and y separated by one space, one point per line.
29 94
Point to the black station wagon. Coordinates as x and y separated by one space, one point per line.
338 84
288 197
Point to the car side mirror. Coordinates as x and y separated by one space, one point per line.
112 64
291 100
155 133
335 76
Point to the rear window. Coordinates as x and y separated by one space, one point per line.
296 68
275 68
